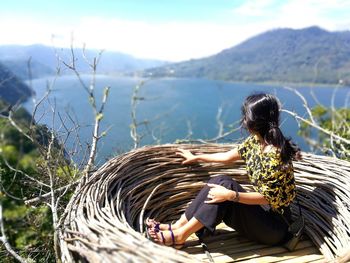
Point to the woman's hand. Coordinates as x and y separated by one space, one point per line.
218 194
189 157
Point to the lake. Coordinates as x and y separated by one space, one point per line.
172 108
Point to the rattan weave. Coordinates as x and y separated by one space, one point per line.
105 218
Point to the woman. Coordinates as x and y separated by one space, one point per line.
260 215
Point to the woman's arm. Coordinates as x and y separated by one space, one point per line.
225 157
219 194
252 198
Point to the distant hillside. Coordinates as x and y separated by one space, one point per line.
20 66
12 89
44 61
309 55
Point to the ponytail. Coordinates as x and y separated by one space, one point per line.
288 149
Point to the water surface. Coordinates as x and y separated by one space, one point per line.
173 108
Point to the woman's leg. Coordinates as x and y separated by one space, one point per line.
210 215
182 221
252 221
194 206
199 215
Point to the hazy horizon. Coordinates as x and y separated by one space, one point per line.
171 31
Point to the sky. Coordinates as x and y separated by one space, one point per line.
173 30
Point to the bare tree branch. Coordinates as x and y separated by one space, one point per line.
330 133
7 245
14 124
96 135
220 122
23 173
221 130
305 104
3 81
134 124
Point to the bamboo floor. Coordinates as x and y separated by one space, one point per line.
226 245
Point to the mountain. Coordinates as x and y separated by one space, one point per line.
44 60
311 55
12 89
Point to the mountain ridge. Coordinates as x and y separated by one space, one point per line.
309 55
44 60
12 89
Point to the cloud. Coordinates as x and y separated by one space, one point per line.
299 13
174 41
254 8
169 41
329 14
177 40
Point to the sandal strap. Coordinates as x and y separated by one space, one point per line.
172 237
174 245
169 227
157 226
163 239
151 221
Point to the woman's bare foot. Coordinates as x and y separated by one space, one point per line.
172 238
151 223
177 237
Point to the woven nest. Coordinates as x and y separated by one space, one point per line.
105 218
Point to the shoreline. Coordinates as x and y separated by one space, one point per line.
263 83
294 84
284 84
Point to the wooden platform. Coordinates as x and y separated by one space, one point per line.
228 246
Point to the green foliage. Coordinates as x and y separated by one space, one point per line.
9 135
29 229
9 152
335 120
22 115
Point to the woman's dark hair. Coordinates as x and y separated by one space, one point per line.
260 114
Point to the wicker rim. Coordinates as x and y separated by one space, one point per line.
104 220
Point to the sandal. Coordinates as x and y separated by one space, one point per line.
155 224
174 245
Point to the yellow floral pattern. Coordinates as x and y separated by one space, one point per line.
267 173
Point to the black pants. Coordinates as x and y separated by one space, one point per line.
252 221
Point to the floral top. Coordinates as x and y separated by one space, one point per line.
268 175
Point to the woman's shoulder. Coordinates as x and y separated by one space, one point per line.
250 140
246 148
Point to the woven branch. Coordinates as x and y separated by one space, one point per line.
105 221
